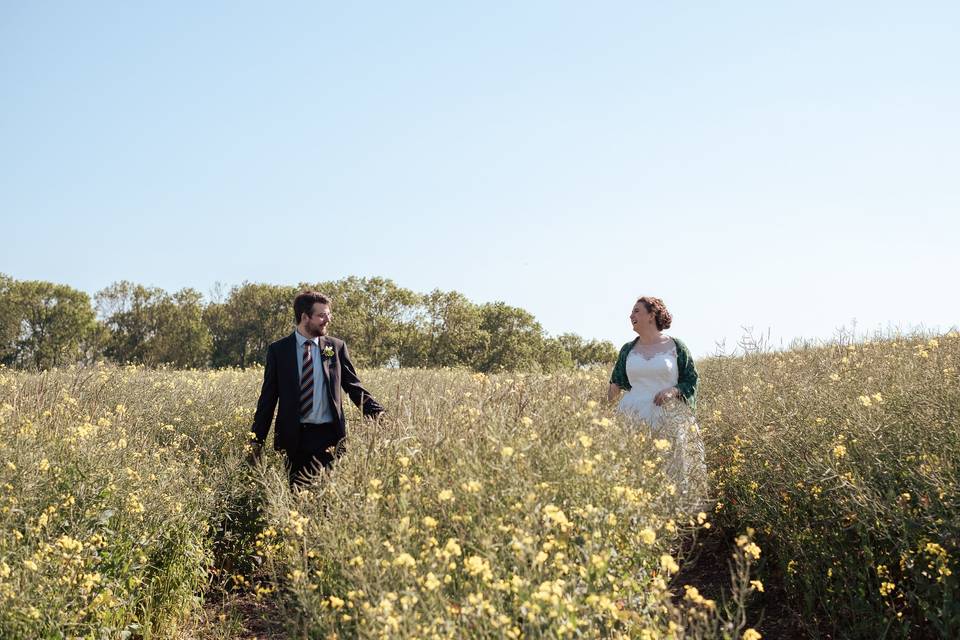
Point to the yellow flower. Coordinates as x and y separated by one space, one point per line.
429 522
756 584
452 548
336 602
668 564
839 451
430 582
886 588
661 444
586 441
471 487
44 465
752 550
751 634
445 496
648 536
557 516
865 401
506 452
404 560
477 566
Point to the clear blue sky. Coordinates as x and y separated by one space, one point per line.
788 166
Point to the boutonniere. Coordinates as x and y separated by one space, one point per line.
327 352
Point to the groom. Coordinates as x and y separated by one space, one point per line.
306 371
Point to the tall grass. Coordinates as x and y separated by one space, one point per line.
485 507
112 485
846 459
501 506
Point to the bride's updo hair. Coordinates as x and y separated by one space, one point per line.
659 311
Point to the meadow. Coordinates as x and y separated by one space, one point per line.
509 505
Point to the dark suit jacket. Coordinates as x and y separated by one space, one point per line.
281 382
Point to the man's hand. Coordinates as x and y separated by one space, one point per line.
254 453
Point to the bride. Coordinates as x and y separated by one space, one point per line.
660 380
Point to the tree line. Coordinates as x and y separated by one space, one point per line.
44 325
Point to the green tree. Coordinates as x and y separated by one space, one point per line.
450 330
513 339
45 324
376 317
9 321
553 356
149 326
182 339
585 353
251 317
126 310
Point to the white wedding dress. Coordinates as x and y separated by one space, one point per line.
649 374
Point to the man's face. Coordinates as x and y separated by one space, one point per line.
316 324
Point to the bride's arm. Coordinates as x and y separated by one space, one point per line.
613 392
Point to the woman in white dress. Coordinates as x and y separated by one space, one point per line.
660 380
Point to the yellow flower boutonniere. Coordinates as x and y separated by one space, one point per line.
328 352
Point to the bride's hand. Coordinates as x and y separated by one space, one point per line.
665 395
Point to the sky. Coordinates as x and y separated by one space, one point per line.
786 167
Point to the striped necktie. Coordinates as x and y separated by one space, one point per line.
306 381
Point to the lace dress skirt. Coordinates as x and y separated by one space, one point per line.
683 461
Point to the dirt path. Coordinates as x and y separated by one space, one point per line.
707 569
241 616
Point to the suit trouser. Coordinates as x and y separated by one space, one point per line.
320 444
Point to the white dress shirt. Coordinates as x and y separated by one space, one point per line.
321 411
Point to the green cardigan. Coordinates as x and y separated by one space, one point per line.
686 371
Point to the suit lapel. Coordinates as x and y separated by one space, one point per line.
293 358
325 362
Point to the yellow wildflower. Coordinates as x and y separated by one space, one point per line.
404 560
648 536
668 564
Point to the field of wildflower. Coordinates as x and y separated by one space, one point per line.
846 460
481 506
513 505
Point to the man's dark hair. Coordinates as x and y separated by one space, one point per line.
303 303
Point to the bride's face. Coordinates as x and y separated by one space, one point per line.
640 317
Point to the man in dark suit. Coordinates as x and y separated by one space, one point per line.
306 372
